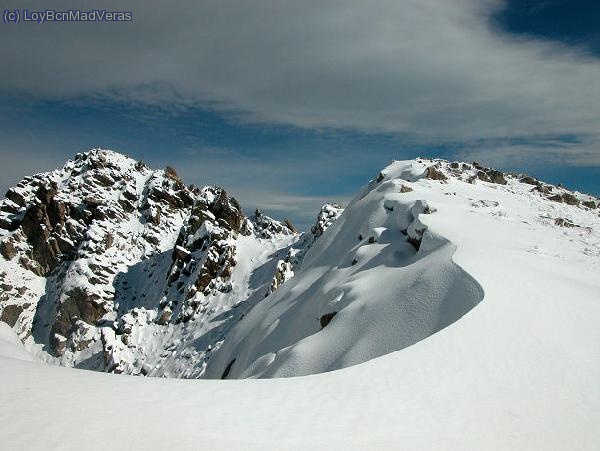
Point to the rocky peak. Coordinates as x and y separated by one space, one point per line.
105 250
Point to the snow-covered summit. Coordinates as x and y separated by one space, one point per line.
485 283
104 258
384 275
109 265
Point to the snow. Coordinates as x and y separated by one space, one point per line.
486 337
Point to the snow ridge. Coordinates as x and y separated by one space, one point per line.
111 266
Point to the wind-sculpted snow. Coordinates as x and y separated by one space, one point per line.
409 256
111 266
378 278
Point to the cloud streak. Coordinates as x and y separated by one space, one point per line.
430 69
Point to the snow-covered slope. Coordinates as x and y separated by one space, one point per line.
382 277
508 263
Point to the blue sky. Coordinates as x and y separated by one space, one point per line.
287 119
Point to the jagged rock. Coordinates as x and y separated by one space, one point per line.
326 319
7 249
570 199
172 173
405 189
16 197
290 226
109 239
434 174
11 312
483 177
9 206
496 177
566 198
589 204
544 189
562 222
328 214
283 273
228 208
165 317
79 304
5 287
227 369
267 227
529 180
182 254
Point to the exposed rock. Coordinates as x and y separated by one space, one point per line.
290 226
566 198
16 197
11 312
8 249
172 174
544 189
589 204
434 174
496 177
483 177
405 189
530 181
5 286
570 199
326 319
227 369
562 222
79 304
228 209
182 254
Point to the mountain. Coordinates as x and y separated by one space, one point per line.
108 265
485 282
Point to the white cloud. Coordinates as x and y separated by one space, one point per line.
431 69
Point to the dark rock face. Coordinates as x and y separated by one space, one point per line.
10 314
483 177
171 173
227 369
566 198
79 304
562 222
7 249
326 319
496 177
290 226
589 204
434 174
569 199
530 181
228 208
16 197
42 225
328 214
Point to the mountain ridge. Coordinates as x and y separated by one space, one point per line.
111 266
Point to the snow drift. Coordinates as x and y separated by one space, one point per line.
509 263
377 280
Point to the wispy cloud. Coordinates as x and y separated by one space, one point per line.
431 70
